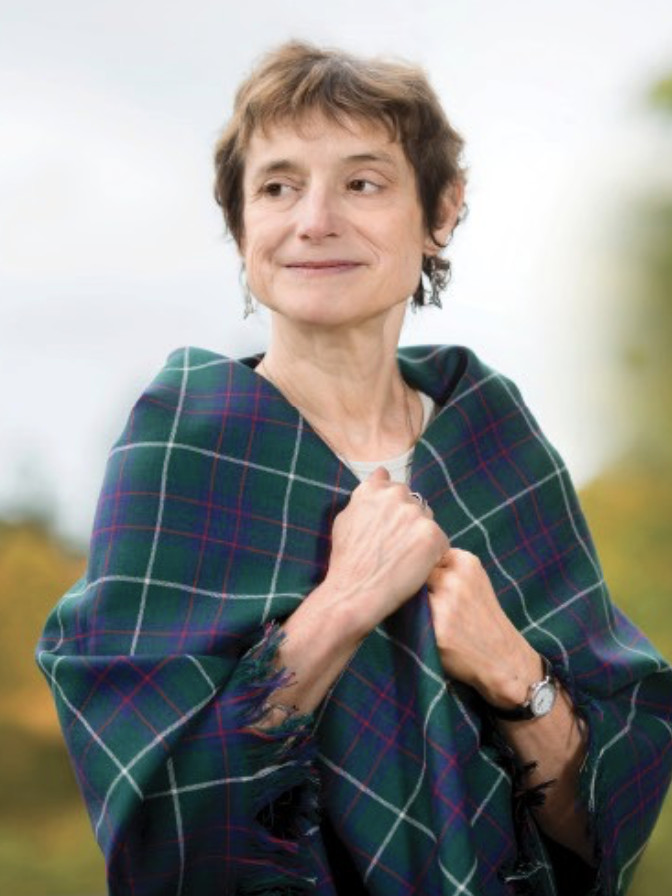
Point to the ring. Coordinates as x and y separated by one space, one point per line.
421 501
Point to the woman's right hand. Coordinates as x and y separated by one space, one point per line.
384 546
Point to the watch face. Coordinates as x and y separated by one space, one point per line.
543 699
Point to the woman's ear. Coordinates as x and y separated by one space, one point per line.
451 206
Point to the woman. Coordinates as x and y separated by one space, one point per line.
343 628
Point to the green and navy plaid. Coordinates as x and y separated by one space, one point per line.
212 526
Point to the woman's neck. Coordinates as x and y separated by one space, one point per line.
347 385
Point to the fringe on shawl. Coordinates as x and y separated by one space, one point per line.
590 778
523 873
285 800
530 862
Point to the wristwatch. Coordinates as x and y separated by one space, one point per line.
542 695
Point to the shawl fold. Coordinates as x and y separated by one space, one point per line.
213 524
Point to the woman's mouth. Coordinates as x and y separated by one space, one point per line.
318 268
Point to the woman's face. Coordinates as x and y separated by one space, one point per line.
333 230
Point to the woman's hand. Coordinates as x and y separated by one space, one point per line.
477 642
481 647
384 545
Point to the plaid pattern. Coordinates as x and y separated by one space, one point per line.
212 525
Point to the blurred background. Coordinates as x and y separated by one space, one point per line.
112 254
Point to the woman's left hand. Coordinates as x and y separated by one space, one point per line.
478 643
480 646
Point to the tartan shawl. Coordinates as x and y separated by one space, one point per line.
213 524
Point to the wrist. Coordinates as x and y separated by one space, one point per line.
541 698
351 605
343 610
509 685
320 638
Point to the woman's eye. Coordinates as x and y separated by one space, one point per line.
276 190
361 185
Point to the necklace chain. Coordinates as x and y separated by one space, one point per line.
409 420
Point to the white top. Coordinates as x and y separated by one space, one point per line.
398 467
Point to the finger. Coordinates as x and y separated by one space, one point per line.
380 474
447 557
421 502
425 510
437 578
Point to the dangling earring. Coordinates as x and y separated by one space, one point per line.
433 280
248 299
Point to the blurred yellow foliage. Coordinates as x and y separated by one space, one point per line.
628 510
34 571
46 845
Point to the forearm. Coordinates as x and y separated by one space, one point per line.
383 546
320 637
557 744
554 742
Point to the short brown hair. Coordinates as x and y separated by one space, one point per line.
298 78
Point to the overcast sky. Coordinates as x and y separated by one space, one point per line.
112 251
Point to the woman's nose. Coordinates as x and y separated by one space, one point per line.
318 215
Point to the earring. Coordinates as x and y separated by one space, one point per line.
248 298
433 280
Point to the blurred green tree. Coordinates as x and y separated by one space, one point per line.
629 506
660 94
